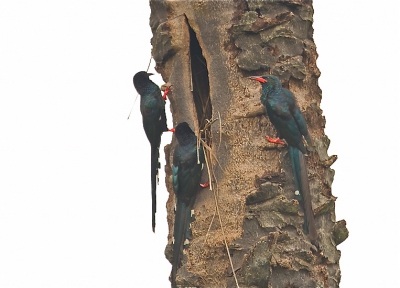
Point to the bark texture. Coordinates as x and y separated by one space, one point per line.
206 49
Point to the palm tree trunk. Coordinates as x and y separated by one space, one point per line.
206 49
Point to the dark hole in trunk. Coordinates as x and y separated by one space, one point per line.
200 83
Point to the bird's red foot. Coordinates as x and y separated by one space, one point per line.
204 185
166 91
276 141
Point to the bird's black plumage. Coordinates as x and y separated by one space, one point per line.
285 115
186 173
152 107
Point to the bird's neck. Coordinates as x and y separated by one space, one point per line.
270 92
188 140
146 89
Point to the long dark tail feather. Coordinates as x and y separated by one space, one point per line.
301 184
294 157
180 226
293 152
154 174
189 219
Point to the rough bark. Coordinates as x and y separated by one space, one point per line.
206 49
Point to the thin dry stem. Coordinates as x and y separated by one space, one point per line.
211 176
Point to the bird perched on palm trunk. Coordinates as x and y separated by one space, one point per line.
186 173
152 107
285 115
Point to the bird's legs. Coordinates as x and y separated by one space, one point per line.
275 140
204 185
166 91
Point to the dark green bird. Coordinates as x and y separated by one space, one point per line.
152 107
186 173
285 115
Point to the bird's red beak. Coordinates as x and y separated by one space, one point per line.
258 78
171 130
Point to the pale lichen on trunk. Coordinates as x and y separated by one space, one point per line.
206 49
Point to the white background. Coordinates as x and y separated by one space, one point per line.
74 172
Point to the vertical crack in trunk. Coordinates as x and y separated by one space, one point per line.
200 83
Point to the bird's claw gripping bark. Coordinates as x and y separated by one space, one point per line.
166 91
275 141
204 185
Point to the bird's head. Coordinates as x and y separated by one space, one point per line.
141 78
268 82
183 132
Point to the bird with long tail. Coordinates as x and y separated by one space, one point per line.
152 107
187 167
284 113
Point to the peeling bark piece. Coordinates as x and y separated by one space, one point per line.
340 232
281 277
278 177
286 206
267 191
254 112
321 146
251 22
292 67
327 207
256 268
328 163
